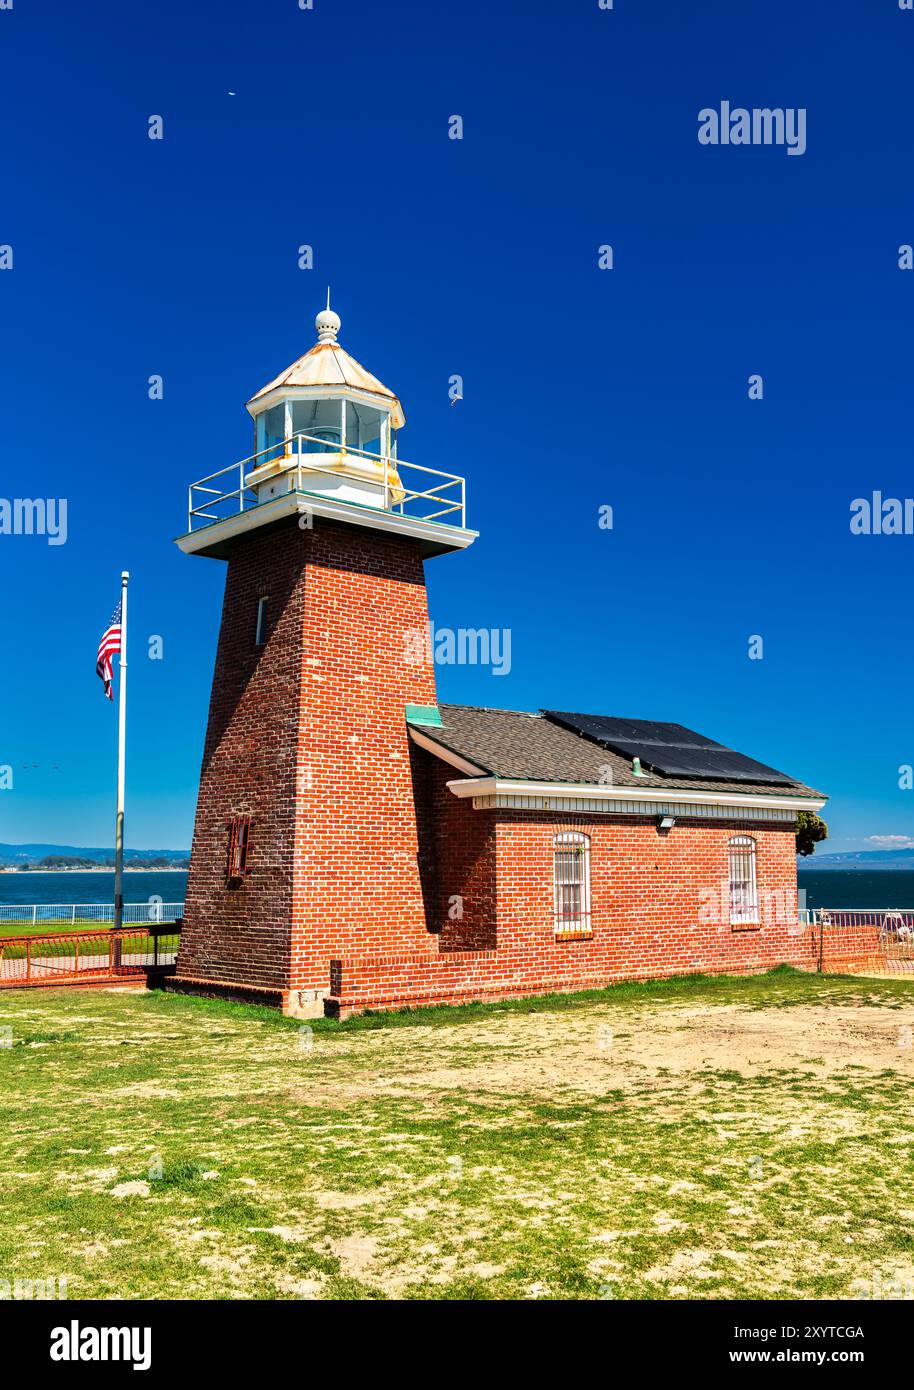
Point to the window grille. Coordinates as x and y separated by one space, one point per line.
743 884
571 882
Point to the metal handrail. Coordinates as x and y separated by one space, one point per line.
291 447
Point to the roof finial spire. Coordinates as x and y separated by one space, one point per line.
327 323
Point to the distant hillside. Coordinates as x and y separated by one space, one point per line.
14 855
862 859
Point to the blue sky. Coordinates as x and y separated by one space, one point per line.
582 387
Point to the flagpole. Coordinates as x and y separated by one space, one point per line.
121 749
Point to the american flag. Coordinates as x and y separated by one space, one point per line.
108 647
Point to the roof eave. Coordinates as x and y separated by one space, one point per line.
270 395
446 754
584 791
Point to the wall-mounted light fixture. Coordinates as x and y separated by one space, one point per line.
666 822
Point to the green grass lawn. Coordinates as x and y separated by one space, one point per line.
12 929
698 1138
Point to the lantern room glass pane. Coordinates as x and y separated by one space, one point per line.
320 424
271 431
365 431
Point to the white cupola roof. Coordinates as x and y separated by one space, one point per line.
329 365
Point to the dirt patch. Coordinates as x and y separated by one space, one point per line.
131 1189
356 1254
340 1201
555 1053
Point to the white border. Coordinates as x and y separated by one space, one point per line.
583 791
448 537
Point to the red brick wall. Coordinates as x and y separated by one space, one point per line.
660 906
307 735
357 865
660 901
462 906
249 767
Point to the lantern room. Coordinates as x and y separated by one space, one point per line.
325 442
330 421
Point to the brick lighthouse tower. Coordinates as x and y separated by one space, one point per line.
305 843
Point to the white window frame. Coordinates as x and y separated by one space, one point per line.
571 847
260 427
743 871
259 635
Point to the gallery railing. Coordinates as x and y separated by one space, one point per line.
223 494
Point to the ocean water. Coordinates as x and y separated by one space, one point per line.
870 888
90 887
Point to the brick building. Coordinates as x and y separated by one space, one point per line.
356 844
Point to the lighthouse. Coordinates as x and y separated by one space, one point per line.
359 844
305 845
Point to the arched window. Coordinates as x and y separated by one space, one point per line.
743 885
571 882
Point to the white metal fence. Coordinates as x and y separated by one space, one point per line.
891 922
89 914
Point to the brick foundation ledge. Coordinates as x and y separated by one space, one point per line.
411 979
298 1003
239 992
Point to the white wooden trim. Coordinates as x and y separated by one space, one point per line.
448 537
584 791
654 810
387 404
261 614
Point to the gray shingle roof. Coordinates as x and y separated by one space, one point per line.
519 746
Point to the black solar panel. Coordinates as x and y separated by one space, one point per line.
720 763
603 727
669 749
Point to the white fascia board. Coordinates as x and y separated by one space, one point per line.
494 786
335 392
445 754
455 537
